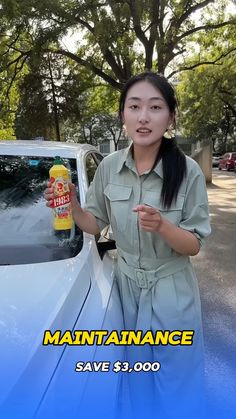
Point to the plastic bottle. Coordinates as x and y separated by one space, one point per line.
59 177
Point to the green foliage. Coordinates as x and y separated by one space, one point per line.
9 93
101 127
115 40
110 30
208 100
94 118
33 118
7 133
7 112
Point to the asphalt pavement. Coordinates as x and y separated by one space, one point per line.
215 267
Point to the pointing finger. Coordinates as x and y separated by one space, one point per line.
145 208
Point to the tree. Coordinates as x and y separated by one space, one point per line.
93 118
32 117
208 95
51 93
102 127
117 37
7 112
9 95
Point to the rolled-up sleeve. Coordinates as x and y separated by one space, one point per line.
195 210
95 199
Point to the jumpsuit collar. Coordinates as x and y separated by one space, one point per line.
126 159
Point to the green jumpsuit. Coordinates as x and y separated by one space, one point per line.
158 286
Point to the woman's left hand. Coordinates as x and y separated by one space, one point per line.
150 218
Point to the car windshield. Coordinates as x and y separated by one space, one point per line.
27 234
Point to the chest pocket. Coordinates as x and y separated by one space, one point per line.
119 199
173 214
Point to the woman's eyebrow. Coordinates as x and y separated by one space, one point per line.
151 98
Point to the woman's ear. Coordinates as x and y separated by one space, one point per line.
170 131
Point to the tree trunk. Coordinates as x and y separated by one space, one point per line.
54 102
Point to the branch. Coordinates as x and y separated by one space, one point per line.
85 24
137 26
202 63
113 64
181 51
155 18
233 110
162 14
77 20
226 92
175 24
153 28
22 52
90 66
14 41
147 43
10 46
192 10
205 27
16 60
16 71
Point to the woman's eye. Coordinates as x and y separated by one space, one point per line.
133 107
155 107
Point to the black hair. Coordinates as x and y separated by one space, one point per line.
173 159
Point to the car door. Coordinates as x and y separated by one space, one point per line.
101 311
45 281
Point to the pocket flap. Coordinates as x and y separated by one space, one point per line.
117 192
175 205
154 199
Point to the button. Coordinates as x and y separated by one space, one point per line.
139 275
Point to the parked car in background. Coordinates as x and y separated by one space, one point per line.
51 281
227 161
215 159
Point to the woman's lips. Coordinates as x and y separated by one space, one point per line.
143 130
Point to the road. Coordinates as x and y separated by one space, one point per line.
215 267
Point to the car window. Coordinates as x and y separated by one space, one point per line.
92 162
98 158
27 234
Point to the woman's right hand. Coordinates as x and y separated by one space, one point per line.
49 195
85 220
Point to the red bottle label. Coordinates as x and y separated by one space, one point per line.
61 200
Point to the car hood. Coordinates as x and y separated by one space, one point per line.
34 298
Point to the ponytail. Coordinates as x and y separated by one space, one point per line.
174 170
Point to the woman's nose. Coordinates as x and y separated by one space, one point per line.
143 115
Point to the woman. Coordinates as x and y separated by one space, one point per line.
155 199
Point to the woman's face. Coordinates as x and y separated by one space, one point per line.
146 114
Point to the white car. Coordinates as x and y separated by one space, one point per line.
51 282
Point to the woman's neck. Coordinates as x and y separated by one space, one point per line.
145 157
